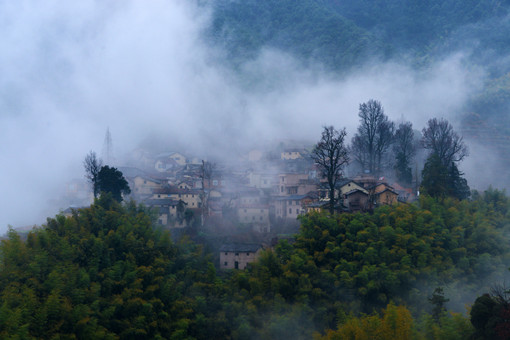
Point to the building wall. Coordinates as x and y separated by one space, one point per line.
228 260
258 215
287 155
288 208
143 186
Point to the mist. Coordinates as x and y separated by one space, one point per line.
70 70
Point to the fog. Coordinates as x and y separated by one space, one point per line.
69 70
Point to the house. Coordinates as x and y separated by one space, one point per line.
384 194
237 256
294 184
315 207
169 161
289 154
290 207
356 200
140 182
348 185
261 180
254 213
189 196
166 209
404 194
343 187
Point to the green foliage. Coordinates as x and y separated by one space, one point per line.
357 263
107 273
111 180
443 181
490 315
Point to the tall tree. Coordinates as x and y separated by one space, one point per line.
441 176
111 180
374 136
404 150
439 180
92 166
440 138
330 154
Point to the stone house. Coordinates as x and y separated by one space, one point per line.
238 256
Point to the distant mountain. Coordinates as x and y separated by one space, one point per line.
342 34
309 29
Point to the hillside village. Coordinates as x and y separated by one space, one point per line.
260 196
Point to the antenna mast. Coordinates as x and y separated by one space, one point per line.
108 148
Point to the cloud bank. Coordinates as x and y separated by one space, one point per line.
69 70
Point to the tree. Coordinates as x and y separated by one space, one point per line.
330 154
439 180
92 167
438 301
440 138
441 176
490 314
374 136
404 150
111 180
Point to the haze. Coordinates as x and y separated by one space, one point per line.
69 70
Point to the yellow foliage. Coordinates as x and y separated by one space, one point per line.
395 324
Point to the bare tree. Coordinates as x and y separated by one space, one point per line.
92 166
374 136
330 154
404 149
440 138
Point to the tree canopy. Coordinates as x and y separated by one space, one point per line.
111 180
108 272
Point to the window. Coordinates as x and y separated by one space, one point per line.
245 210
290 211
261 218
236 265
253 218
226 253
237 254
225 263
282 189
247 254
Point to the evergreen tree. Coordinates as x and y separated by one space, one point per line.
111 180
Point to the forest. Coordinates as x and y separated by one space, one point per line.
402 271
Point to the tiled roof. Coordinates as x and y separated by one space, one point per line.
240 248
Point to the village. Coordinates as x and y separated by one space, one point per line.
259 198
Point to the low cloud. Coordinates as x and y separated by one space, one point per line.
70 70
